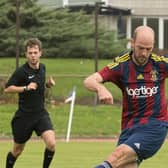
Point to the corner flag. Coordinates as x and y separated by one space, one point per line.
70 98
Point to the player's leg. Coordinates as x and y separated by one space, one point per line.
49 139
137 144
123 156
13 155
131 165
21 134
44 128
105 164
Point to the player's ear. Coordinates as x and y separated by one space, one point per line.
26 54
41 53
132 41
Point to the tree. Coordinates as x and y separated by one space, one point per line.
8 24
63 33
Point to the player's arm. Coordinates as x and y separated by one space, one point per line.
94 83
20 89
14 89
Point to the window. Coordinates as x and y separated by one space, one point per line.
135 23
165 34
121 27
153 23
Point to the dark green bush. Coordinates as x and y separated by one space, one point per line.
63 33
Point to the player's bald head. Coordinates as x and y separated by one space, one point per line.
144 32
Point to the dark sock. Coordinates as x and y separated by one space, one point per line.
48 156
105 164
10 160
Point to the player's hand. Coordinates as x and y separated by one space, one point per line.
50 82
105 96
32 86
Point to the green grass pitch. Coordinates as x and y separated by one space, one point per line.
75 155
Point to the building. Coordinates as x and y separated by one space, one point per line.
126 15
151 12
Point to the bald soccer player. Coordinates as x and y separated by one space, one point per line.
140 74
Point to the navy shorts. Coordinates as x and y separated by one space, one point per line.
145 139
23 126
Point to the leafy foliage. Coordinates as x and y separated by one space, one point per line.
63 33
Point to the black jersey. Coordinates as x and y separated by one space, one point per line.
32 101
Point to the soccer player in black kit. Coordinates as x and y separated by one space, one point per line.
29 82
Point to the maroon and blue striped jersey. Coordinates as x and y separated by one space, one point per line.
143 88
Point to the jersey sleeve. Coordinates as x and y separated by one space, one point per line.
110 73
15 78
161 62
166 64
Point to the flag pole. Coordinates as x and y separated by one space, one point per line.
71 115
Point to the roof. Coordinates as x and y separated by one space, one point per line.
103 10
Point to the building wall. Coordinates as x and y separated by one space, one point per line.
144 12
153 13
142 7
82 1
59 3
51 3
139 7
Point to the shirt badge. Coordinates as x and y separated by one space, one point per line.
140 77
31 76
154 75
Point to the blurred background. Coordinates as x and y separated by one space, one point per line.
79 37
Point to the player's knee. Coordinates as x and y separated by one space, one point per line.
122 156
17 152
115 157
51 145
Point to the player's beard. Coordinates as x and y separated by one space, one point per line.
141 60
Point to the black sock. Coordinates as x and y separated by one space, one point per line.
105 164
48 156
10 160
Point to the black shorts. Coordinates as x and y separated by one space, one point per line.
23 126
